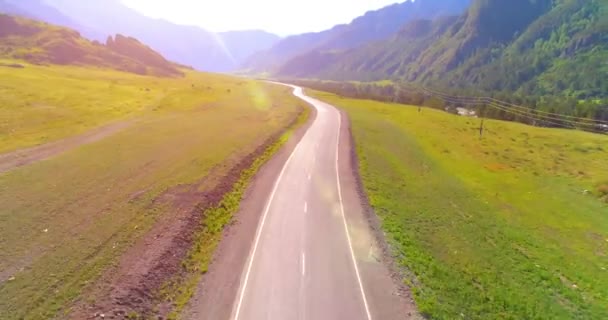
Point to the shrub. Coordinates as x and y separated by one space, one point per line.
602 190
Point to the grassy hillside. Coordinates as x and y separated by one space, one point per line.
512 226
41 43
67 219
43 104
43 11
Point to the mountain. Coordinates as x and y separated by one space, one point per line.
487 24
185 44
562 52
531 47
241 44
372 61
188 45
374 25
42 43
39 10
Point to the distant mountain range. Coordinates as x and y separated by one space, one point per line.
41 43
373 26
531 47
188 45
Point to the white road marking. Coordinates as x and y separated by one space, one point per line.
350 245
260 228
305 206
303 264
237 311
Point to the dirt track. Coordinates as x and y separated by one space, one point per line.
19 158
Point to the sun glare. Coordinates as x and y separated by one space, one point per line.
295 16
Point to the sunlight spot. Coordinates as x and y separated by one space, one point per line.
259 96
224 48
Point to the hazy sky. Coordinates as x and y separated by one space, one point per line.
282 17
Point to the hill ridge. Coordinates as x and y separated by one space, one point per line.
372 26
185 44
42 43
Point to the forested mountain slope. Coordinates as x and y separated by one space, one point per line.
374 60
532 47
373 26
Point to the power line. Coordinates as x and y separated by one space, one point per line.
520 113
511 105
550 113
534 115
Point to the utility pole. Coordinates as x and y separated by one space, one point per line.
483 117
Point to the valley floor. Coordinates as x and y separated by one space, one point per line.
511 226
116 189
22 157
178 147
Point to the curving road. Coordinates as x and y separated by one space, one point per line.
313 255
302 264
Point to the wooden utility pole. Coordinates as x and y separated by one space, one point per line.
482 114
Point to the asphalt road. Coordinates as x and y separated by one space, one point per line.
303 244
302 264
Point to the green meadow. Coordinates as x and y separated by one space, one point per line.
65 220
510 226
41 104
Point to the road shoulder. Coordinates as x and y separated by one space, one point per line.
379 271
218 288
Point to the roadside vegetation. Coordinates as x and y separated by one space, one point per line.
511 226
66 220
548 111
179 289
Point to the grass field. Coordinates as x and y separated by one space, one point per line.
65 220
512 226
42 104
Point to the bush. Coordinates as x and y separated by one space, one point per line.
602 191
